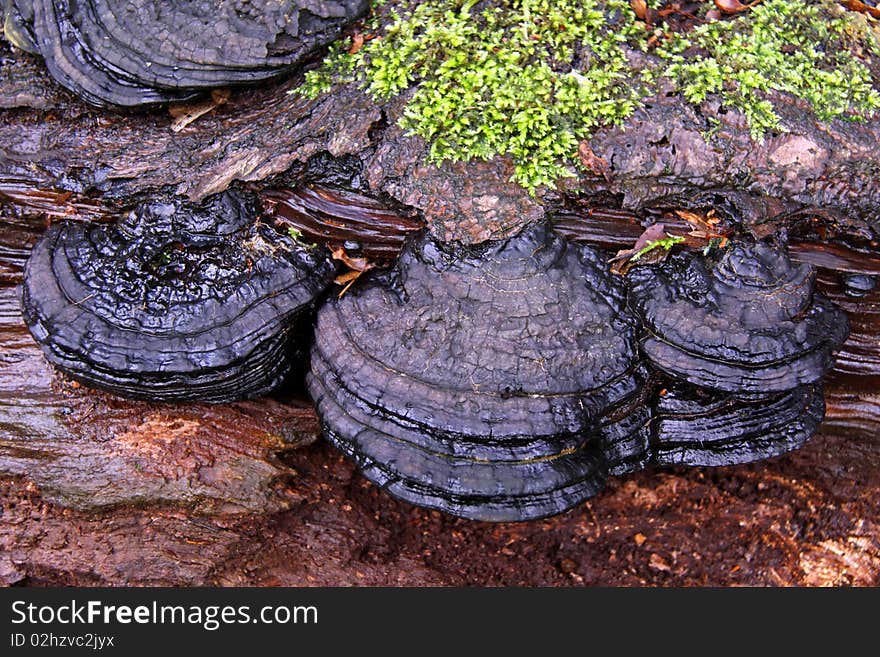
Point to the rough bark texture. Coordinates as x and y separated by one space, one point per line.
95 490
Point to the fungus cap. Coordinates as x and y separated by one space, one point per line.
750 322
478 380
172 302
141 52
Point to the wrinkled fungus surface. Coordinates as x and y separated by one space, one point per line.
745 339
699 427
110 52
485 382
750 322
173 302
505 382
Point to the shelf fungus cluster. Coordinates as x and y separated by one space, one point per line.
491 383
142 52
507 382
746 340
173 302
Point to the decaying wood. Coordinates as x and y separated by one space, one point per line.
664 149
97 490
87 450
808 518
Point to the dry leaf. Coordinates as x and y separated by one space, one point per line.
858 5
593 162
358 264
347 280
357 42
704 229
185 114
734 6
655 39
347 277
640 7
698 221
652 233
644 251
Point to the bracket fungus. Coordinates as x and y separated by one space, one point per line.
699 427
751 322
173 302
143 52
751 337
486 382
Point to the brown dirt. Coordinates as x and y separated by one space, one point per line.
805 519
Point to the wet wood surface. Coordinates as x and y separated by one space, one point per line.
96 490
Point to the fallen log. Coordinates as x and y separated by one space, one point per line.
97 490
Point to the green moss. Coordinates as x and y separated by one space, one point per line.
502 81
795 46
529 79
665 243
297 236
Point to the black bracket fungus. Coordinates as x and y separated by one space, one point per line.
751 337
504 382
751 322
142 52
173 302
485 382
700 427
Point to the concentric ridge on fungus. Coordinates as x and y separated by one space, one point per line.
140 52
700 427
483 382
504 382
172 302
746 340
749 323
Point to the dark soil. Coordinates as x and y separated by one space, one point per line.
789 521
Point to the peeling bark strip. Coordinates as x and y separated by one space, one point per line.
341 218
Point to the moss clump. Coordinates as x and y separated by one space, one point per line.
529 79
794 46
